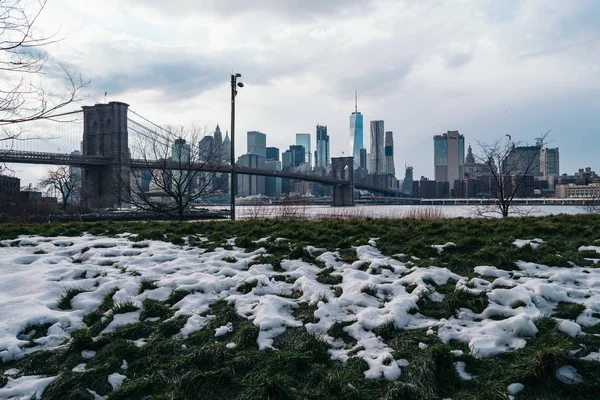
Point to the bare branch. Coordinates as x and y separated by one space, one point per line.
22 58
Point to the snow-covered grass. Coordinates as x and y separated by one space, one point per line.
328 309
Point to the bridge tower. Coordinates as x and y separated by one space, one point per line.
342 168
105 134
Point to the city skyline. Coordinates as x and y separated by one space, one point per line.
458 69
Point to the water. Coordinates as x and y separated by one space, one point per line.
387 211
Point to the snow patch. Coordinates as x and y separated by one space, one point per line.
534 243
116 380
462 373
568 374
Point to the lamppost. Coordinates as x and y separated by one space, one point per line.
234 85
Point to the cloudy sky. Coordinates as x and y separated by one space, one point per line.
483 67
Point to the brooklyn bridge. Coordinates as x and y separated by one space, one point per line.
105 157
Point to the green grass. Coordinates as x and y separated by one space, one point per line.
247 287
301 368
147 285
64 301
568 310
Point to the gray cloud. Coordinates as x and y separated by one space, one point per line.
457 58
423 67
294 9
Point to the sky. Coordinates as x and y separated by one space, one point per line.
486 68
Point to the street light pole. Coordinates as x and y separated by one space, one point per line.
234 86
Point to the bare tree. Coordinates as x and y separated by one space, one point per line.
510 174
62 181
172 172
23 96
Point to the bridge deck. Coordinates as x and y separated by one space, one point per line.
13 156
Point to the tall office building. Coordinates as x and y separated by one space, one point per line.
376 165
180 150
286 159
523 160
550 162
356 133
322 155
449 157
363 159
218 144
389 153
298 154
226 154
218 135
257 143
250 185
303 139
273 153
207 147
273 185
407 185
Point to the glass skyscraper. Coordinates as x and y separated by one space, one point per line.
257 143
303 139
356 136
377 162
449 157
322 157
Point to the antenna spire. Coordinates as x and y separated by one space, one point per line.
356 101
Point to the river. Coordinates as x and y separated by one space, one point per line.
388 211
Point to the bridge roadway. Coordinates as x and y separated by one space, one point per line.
27 157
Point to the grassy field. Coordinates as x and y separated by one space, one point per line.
205 367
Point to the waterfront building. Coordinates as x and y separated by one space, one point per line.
298 155
273 185
273 153
303 139
449 157
550 162
389 154
249 185
407 184
363 159
376 165
257 143
322 157
356 133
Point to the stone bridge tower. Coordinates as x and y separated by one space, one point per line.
105 134
342 168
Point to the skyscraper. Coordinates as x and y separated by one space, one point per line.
298 155
363 159
207 147
449 157
356 133
525 160
550 162
257 143
218 135
377 148
217 144
180 150
273 153
389 153
407 185
226 153
322 158
303 139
